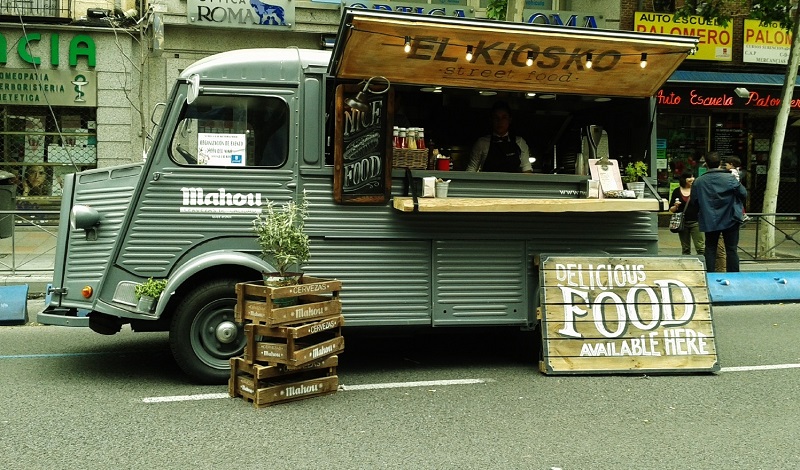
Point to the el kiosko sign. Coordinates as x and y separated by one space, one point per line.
610 314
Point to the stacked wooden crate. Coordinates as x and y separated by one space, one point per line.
291 351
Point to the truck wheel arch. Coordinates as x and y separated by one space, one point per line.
235 264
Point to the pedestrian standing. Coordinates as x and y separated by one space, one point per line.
691 229
718 200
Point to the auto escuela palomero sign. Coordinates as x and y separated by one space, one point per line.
42 84
765 44
716 42
625 314
693 97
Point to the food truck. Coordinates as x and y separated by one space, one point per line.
245 127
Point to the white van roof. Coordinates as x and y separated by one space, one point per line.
258 65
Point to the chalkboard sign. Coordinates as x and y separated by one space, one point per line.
362 149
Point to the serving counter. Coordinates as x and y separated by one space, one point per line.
467 204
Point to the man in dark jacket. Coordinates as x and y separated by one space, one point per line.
718 199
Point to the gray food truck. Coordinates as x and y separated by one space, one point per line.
244 127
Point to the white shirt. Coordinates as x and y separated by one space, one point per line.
481 149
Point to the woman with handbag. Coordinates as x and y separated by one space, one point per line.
689 232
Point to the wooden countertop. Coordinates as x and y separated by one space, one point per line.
469 204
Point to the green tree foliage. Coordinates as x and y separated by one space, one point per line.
766 11
496 9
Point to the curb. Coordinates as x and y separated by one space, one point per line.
754 287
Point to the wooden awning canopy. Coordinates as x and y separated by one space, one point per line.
371 43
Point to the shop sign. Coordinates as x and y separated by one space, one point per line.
716 42
432 9
45 87
276 15
715 98
31 48
765 44
563 18
626 314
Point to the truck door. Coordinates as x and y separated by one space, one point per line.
227 156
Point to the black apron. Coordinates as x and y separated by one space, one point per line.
503 155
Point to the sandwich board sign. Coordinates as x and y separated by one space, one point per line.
619 314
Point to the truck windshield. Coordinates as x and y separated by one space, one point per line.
232 131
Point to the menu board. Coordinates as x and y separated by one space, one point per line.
362 148
729 141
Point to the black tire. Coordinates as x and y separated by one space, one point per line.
203 335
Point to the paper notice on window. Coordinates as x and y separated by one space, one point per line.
221 149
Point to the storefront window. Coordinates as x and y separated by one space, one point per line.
682 141
40 145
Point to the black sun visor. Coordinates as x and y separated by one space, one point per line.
504 56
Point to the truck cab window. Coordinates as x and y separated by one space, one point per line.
232 131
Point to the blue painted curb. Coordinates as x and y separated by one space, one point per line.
762 286
13 305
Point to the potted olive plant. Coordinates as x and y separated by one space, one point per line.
147 294
283 242
634 173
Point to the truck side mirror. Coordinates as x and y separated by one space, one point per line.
86 218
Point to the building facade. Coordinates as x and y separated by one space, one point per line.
79 86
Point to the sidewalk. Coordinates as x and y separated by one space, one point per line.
788 250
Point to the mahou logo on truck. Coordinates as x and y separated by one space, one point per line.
219 201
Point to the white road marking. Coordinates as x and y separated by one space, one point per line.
204 396
424 383
749 368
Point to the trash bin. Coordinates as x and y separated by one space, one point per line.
8 202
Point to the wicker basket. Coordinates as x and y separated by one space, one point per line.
410 158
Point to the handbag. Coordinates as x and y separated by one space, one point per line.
676 222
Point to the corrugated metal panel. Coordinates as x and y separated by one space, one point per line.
109 192
164 230
383 281
480 282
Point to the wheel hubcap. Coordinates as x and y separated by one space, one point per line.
226 332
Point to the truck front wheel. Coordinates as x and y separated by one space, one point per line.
204 335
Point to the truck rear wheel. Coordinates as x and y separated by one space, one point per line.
204 335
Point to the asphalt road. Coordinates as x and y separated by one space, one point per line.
75 399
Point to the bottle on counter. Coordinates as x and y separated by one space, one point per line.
396 137
421 138
411 138
433 153
402 138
